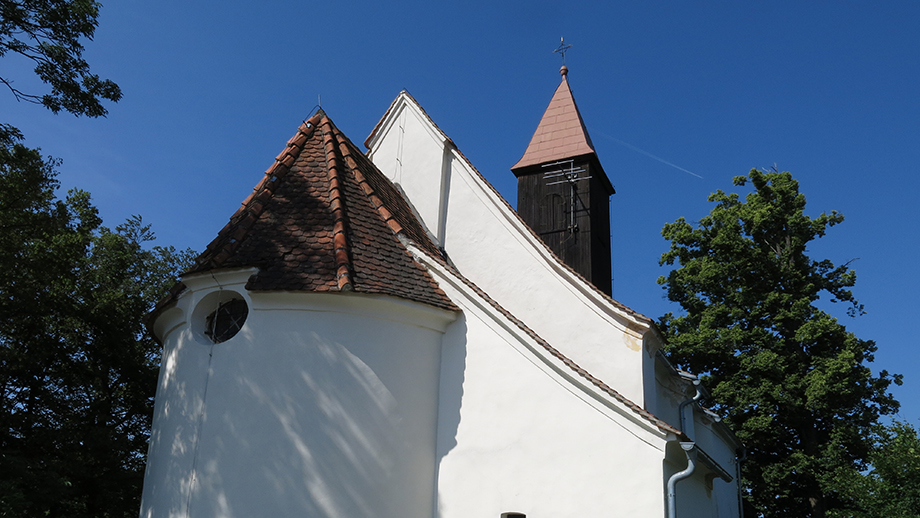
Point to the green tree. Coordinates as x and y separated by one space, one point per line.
891 487
790 379
77 367
49 33
894 480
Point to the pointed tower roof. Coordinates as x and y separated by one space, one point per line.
561 133
324 218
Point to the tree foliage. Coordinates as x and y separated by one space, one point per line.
893 484
792 381
49 33
77 367
891 487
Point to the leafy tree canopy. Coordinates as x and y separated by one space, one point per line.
792 381
891 487
49 32
77 367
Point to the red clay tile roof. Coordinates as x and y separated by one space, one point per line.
324 218
561 132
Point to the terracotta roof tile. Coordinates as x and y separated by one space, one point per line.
323 218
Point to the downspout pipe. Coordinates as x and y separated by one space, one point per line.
694 399
740 457
677 477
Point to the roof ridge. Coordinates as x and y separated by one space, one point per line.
404 93
231 235
619 305
578 113
568 362
369 191
343 263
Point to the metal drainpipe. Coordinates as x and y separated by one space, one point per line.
738 460
677 477
696 397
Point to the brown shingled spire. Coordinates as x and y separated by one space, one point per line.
564 193
561 133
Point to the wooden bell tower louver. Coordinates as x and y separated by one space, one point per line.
564 193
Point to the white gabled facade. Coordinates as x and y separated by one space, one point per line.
490 245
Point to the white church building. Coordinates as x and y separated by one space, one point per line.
379 334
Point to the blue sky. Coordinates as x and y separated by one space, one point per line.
826 90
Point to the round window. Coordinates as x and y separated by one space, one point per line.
219 316
226 321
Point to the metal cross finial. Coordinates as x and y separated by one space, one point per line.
562 48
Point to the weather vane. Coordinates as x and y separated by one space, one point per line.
562 48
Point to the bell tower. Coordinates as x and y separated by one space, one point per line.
564 193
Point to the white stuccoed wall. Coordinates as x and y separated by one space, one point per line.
520 432
492 247
716 440
410 147
324 405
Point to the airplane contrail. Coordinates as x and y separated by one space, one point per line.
646 153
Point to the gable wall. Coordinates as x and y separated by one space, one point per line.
413 146
491 247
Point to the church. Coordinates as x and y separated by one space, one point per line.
378 333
